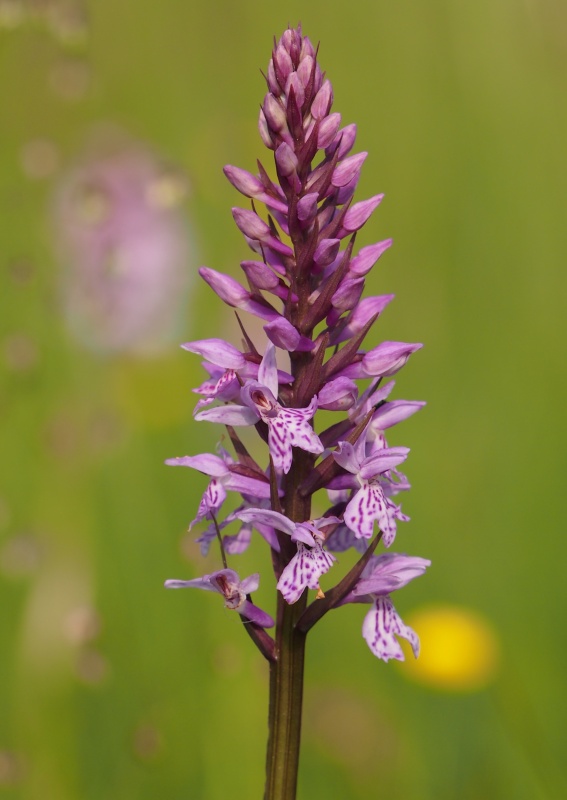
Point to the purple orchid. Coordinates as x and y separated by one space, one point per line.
382 575
287 427
305 287
311 560
234 591
370 477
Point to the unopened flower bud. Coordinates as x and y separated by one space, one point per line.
323 101
388 358
362 263
359 213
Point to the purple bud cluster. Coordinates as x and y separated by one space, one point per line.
306 283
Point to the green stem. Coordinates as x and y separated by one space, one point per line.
286 698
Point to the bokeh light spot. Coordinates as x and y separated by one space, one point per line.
460 650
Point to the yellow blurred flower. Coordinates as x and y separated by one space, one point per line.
460 650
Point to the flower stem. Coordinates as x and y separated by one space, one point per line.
286 697
286 671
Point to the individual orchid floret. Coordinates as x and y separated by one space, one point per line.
311 560
222 479
234 591
382 575
370 502
287 427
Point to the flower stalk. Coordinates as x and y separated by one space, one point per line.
306 284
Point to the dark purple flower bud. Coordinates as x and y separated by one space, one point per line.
282 65
250 224
323 101
251 186
307 49
326 252
307 207
276 118
291 39
344 140
256 229
328 130
286 159
338 394
388 358
348 170
282 333
264 130
246 183
260 275
359 213
226 287
273 84
294 82
363 262
348 294
305 70
345 193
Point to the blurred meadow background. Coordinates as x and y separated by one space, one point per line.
116 120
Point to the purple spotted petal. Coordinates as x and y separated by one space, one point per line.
381 626
213 498
367 506
304 570
291 428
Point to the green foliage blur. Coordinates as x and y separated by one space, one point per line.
111 687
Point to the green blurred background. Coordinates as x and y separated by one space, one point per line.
111 687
